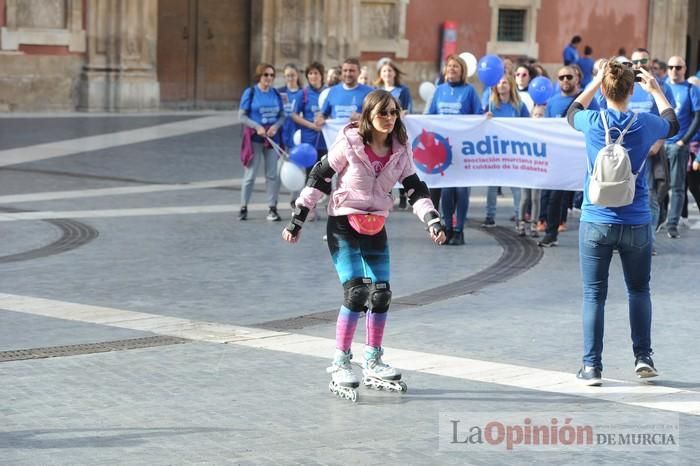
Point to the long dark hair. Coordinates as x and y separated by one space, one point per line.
377 101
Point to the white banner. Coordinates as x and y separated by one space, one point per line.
470 150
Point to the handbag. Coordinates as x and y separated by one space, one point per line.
247 152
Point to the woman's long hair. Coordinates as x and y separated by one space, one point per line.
513 94
397 74
377 101
618 81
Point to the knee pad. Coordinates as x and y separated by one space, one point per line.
380 297
356 293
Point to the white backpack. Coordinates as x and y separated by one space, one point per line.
611 182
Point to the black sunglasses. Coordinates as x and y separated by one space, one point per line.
269 75
568 77
675 67
641 61
386 113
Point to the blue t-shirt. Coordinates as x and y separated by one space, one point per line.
289 99
558 105
641 101
586 65
687 99
507 110
455 100
570 55
307 105
403 95
264 109
341 103
644 132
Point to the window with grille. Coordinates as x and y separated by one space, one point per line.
511 25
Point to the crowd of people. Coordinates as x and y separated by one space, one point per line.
338 93
649 102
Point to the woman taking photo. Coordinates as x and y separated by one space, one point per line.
370 156
627 228
262 115
455 97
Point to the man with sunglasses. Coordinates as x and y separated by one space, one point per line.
557 107
643 102
687 110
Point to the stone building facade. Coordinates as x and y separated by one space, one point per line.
137 55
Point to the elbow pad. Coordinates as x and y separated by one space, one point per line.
415 189
320 176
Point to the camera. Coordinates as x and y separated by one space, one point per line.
637 76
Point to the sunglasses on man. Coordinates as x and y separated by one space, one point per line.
641 61
568 77
675 67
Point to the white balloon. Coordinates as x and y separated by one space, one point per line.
296 138
381 62
471 62
426 90
292 176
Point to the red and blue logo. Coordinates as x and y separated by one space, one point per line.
432 153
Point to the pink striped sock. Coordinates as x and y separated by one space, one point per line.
375 328
345 328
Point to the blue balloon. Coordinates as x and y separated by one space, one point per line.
303 155
540 89
490 70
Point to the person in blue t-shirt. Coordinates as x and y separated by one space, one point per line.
344 101
454 97
291 93
626 229
570 53
694 173
643 102
304 115
504 102
586 65
262 113
687 110
553 201
389 79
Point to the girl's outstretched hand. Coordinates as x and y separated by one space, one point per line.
289 237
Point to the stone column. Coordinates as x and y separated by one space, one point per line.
120 73
668 27
301 31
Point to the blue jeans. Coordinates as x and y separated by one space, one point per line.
447 201
596 244
678 166
492 200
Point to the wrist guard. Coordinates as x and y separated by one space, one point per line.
432 219
298 219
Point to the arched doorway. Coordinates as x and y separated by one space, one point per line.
203 52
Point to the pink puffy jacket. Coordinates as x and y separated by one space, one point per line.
358 189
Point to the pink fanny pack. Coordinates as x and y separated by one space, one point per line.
366 224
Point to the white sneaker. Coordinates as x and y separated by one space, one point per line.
375 367
341 370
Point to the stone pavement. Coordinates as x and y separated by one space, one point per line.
121 231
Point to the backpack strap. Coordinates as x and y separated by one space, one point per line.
624 131
608 140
